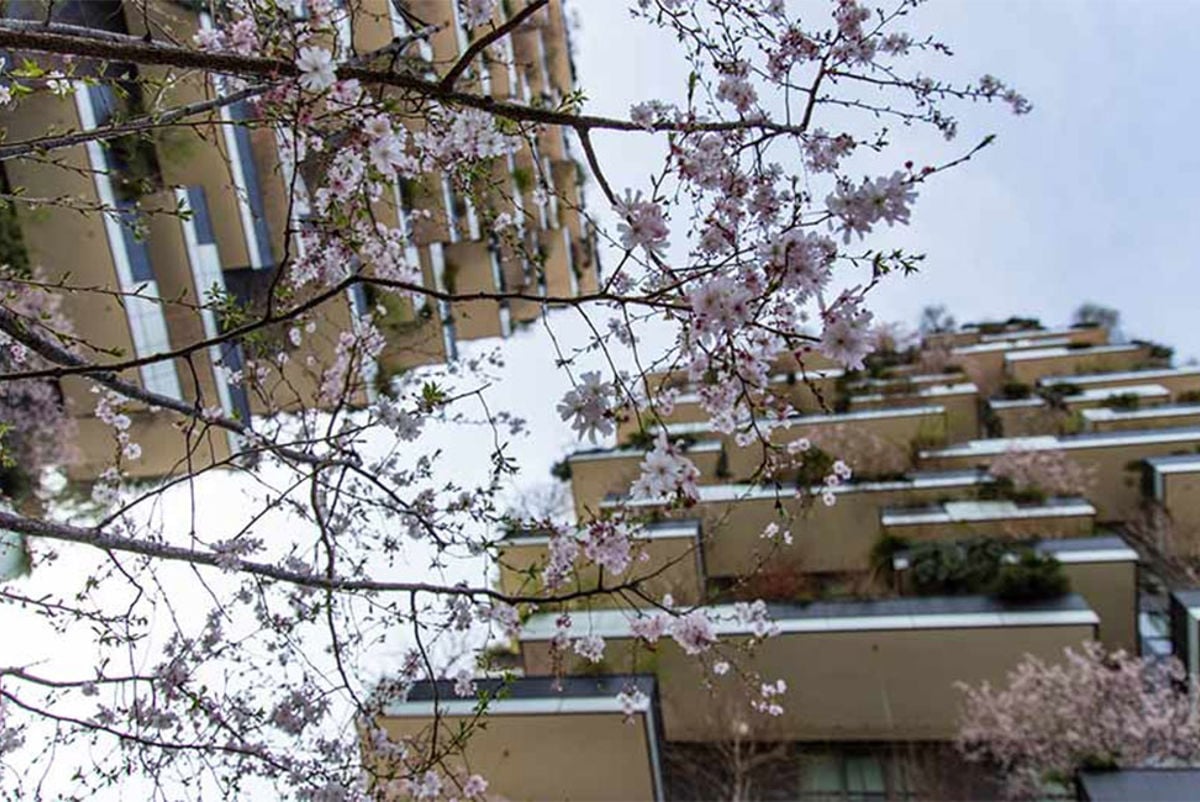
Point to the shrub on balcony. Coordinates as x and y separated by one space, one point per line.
1034 576
950 569
983 566
1056 394
1014 391
1122 401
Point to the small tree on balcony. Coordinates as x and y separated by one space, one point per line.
1042 472
1089 709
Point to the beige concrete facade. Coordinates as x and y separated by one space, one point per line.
541 748
666 560
1029 366
1113 459
961 402
876 678
1178 381
1162 417
596 475
992 519
825 539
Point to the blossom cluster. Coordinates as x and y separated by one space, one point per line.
1089 708
1048 471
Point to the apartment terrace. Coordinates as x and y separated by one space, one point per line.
546 737
960 400
1030 365
905 382
1102 569
985 363
1076 335
973 333
899 428
1178 381
955 520
1166 416
1033 414
888 669
825 539
668 557
600 473
1143 784
1111 455
807 393
1173 484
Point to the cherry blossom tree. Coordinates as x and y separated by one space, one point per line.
1044 471
214 659
1091 710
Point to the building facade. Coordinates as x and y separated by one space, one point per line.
881 602
163 237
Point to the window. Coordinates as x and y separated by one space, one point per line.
135 245
853 776
200 218
251 185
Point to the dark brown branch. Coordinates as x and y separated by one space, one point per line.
481 43
162 551
20 35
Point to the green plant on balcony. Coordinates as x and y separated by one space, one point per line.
408 192
450 277
1056 394
1001 326
991 423
134 166
1015 391
1158 354
984 566
12 243
1004 489
815 465
561 470
1032 577
722 469
1122 401
643 440
883 553
949 569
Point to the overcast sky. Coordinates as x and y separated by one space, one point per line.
1092 196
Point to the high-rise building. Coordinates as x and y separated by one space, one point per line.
936 566
170 218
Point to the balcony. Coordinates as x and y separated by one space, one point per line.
984 362
1166 416
668 559
1030 365
815 391
1114 456
960 400
825 539
1143 784
1103 570
892 430
1172 484
602 473
856 671
955 520
546 738
1178 381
